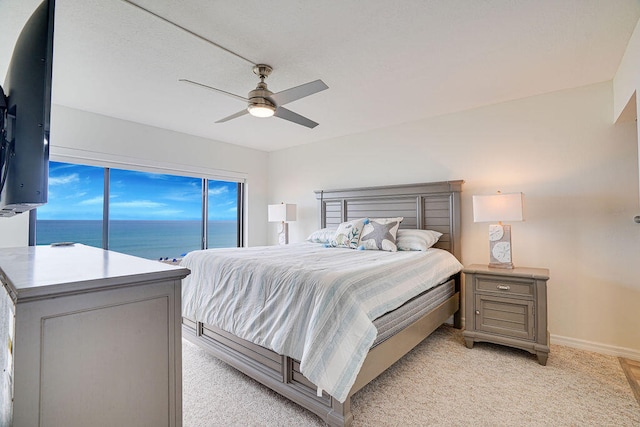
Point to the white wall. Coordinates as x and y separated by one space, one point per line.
95 137
627 79
626 83
14 231
579 173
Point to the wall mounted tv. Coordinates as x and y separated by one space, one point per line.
25 109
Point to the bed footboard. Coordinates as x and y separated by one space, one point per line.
282 374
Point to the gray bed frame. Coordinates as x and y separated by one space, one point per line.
434 206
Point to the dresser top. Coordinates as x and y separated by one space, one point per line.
535 273
35 272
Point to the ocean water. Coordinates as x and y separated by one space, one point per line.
146 239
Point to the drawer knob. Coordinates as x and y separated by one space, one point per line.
477 311
503 287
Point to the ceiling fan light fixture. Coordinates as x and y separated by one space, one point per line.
261 102
261 109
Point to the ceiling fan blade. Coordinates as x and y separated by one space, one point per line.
283 113
233 95
290 95
233 116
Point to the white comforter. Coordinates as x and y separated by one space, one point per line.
309 302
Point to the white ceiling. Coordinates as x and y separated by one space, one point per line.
385 61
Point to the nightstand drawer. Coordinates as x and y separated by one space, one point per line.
505 316
511 286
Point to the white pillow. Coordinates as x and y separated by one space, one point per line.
416 240
379 234
348 234
323 235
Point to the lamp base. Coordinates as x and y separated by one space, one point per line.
503 265
283 233
500 246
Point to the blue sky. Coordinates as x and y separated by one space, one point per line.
76 193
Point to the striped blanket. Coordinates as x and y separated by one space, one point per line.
308 302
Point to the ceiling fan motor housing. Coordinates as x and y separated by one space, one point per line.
259 104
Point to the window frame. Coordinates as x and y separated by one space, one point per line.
204 175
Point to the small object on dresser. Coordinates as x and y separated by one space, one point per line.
507 307
61 244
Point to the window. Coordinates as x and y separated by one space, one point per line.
75 207
222 226
149 215
154 215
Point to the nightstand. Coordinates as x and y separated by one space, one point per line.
508 307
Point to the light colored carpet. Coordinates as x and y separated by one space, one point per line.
440 382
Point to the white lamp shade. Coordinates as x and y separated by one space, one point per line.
498 207
282 212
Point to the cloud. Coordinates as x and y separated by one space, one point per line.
155 176
171 213
218 190
184 195
98 200
63 180
138 204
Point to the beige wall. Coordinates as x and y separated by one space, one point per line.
579 173
93 139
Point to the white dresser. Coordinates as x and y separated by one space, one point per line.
89 337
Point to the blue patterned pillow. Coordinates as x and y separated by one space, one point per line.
348 234
379 234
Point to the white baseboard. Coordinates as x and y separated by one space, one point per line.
596 347
610 350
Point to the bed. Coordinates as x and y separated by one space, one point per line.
429 206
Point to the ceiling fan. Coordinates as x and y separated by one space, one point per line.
261 102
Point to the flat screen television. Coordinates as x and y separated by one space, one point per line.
25 109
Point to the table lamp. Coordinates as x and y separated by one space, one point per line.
282 213
497 208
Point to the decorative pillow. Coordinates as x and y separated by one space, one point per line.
348 234
416 240
323 235
380 234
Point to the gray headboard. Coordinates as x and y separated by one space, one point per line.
427 206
